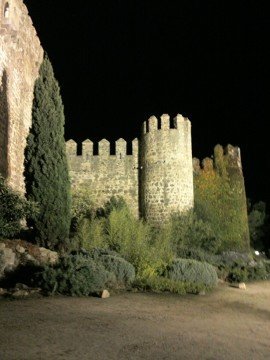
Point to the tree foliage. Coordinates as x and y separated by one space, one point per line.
46 170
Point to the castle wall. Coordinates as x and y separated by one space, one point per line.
105 175
166 163
20 57
220 196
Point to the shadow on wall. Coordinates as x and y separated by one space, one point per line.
4 124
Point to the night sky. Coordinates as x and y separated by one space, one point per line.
120 61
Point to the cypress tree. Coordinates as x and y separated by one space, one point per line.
46 169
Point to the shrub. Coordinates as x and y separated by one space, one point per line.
257 272
75 275
241 267
238 274
89 234
267 266
122 269
198 254
192 271
189 231
81 206
13 208
159 284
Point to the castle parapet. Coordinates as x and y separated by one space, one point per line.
87 148
71 148
164 124
120 148
104 149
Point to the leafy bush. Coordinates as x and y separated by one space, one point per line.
89 234
75 275
233 258
238 274
81 206
124 271
189 231
13 208
198 254
241 267
160 284
192 271
267 267
257 272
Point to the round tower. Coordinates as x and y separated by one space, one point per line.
166 182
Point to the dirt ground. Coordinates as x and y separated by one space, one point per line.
226 324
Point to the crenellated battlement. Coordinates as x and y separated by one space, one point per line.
224 157
165 123
104 149
109 171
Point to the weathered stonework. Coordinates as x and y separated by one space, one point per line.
106 175
220 196
156 180
20 57
166 168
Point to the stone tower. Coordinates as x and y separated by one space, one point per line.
20 57
166 177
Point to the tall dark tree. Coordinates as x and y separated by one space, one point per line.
46 170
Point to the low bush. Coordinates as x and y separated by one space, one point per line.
190 231
192 271
123 270
257 272
267 266
159 284
89 234
198 254
13 208
233 258
75 275
238 274
241 267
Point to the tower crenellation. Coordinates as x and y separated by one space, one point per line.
156 179
167 175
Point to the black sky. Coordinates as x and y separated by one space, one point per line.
120 61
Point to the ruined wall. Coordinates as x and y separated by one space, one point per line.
220 196
105 175
20 57
167 174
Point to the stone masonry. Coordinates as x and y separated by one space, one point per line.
156 180
20 57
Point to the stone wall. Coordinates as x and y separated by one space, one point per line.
105 175
167 174
20 57
155 183
220 196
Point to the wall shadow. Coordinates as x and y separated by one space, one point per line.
4 125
